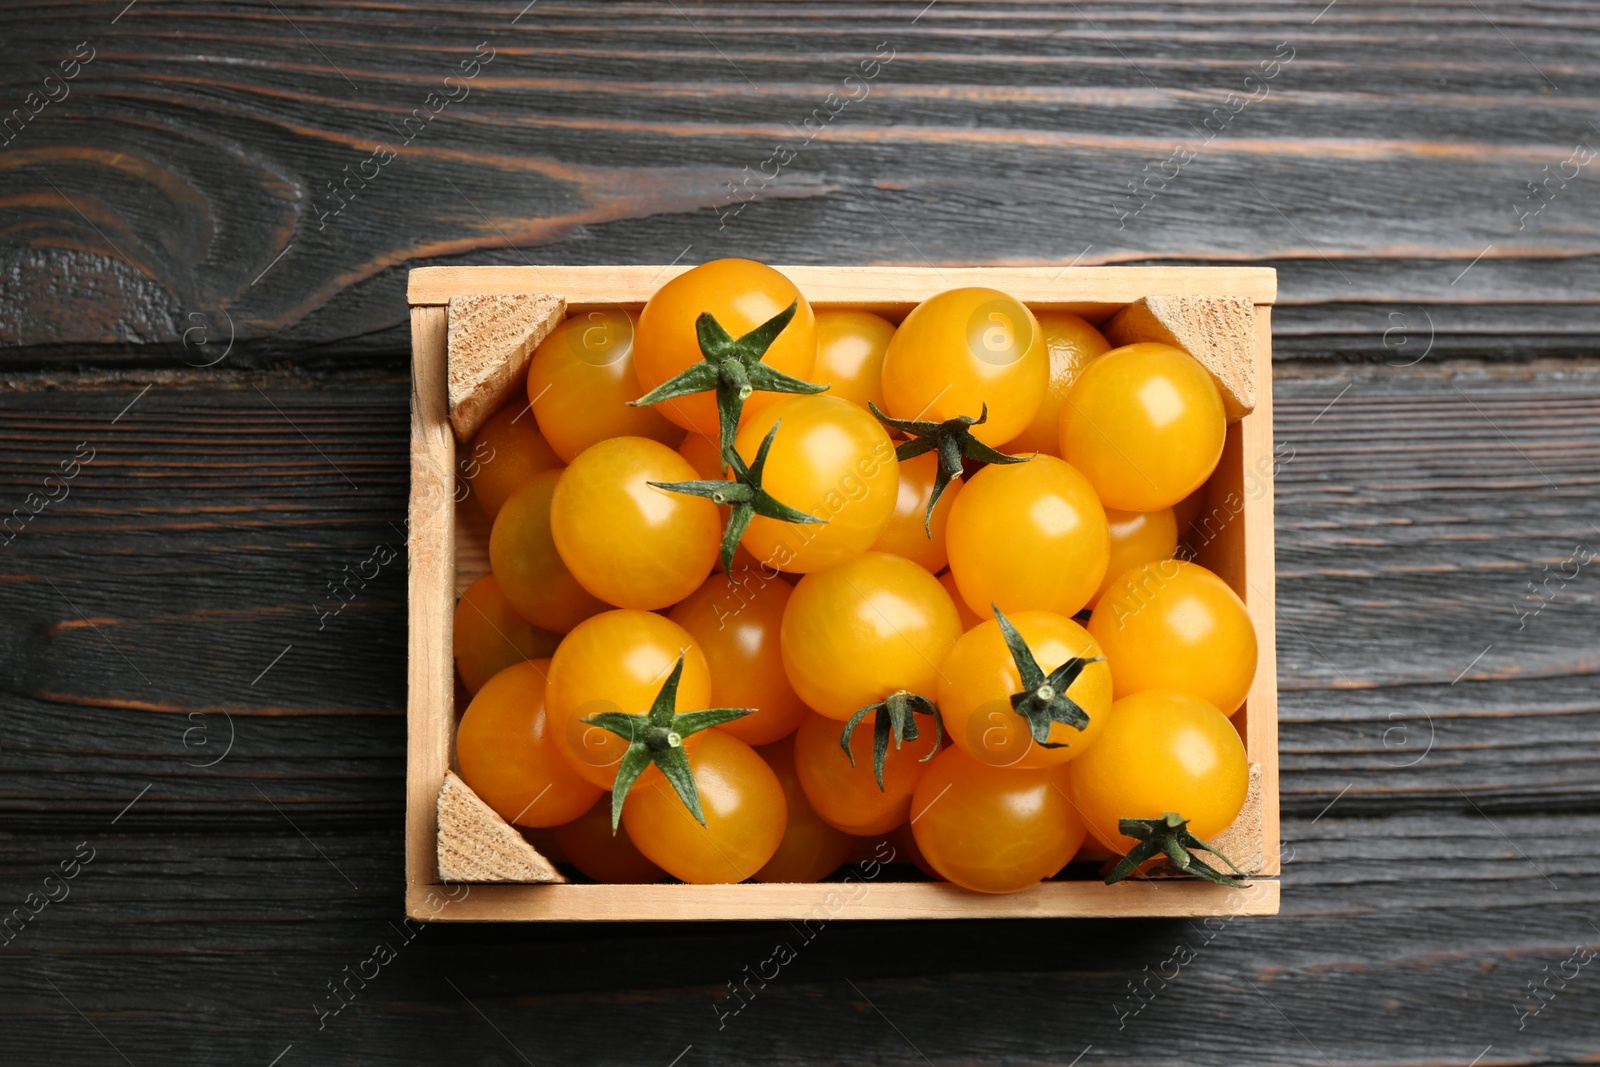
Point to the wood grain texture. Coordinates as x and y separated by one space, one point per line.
476 845
490 340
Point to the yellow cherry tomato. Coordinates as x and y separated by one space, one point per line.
588 843
969 618
507 756
962 349
979 676
744 808
850 348
1161 751
831 460
848 798
505 454
489 635
1137 537
581 379
701 452
1072 343
618 661
1175 625
737 621
527 567
626 541
905 535
811 849
861 631
1145 424
993 829
1028 536
741 294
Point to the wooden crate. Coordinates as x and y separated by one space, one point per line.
448 550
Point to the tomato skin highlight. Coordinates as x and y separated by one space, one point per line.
737 623
850 348
1028 536
962 349
628 542
580 381
488 635
905 534
589 845
506 453
528 568
811 849
1137 537
508 758
848 798
1161 751
1174 625
853 635
744 808
992 829
741 294
1145 424
1072 343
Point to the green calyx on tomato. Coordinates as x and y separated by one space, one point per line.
896 713
1170 835
731 366
1043 699
952 440
656 736
744 495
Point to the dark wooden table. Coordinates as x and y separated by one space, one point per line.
207 211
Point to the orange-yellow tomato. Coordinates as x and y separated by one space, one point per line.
1145 424
962 349
741 295
527 567
1028 536
580 381
505 454
905 535
1137 537
978 677
1175 625
589 845
850 348
489 635
811 849
507 756
1161 752
1187 510
625 540
861 631
701 452
969 618
1072 343
744 808
737 620
994 829
848 798
618 661
831 460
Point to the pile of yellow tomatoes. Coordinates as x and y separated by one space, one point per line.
718 664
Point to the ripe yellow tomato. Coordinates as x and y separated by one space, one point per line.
741 295
1028 536
905 534
969 618
1161 752
993 829
580 381
861 631
489 635
848 798
744 808
979 676
589 845
507 756
850 348
626 541
1145 424
1175 625
737 621
1137 537
618 661
831 460
962 349
527 567
1072 343
701 452
505 454
811 849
